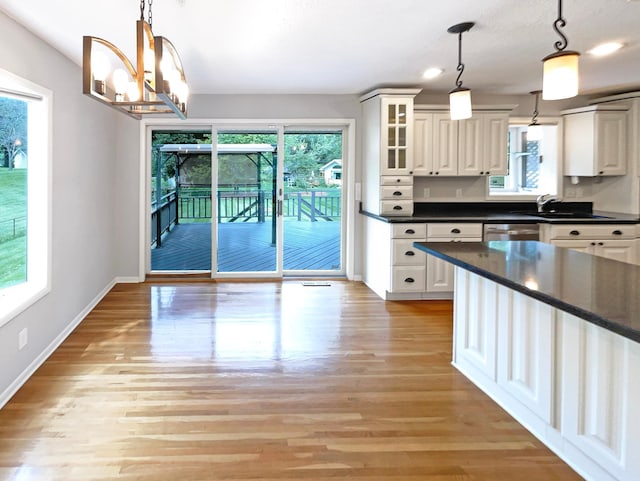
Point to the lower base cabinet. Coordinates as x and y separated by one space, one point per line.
571 383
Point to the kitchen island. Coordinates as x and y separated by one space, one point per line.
553 336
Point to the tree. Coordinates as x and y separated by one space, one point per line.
13 128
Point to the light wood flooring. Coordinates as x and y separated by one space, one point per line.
262 381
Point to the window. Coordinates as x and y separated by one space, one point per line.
533 164
24 194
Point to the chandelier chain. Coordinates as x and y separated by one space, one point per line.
141 9
460 67
557 25
150 15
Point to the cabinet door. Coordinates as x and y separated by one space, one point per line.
620 250
599 399
475 312
423 144
439 275
396 136
445 145
496 132
470 141
611 152
526 345
585 246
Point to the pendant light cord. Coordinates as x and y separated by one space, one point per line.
460 67
534 119
557 25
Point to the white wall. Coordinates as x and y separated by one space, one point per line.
83 245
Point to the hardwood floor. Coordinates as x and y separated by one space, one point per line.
262 381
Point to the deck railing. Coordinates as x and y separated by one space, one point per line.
240 206
163 217
12 228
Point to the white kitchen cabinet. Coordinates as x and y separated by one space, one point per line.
526 351
599 396
471 147
595 141
613 241
440 274
388 150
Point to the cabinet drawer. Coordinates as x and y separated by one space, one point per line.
416 232
396 180
396 192
404 254
454 230
396 207
408 278
590 231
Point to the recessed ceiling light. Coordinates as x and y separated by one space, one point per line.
432 72
605 49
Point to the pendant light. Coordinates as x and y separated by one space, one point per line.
460 97
560 69
534 129
155 84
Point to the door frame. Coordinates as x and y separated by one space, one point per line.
348 176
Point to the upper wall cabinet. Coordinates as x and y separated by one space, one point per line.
387 147
471 147
595 141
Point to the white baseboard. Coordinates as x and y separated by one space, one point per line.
128 280
8 393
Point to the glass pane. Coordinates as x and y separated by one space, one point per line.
402 136
392 114
391 141
391 158
181 201
402 114
312 210
402 159
13 191
246 193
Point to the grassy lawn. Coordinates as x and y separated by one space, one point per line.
13 240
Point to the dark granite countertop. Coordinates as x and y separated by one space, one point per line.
598 290
504 212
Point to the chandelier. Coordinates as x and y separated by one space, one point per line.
156 84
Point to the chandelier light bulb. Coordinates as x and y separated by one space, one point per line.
120 83
133 93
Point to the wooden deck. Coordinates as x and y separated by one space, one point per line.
247 247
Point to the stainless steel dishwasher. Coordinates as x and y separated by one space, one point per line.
495 232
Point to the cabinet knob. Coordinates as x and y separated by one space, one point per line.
600 243
410 253
601 172
411 172
437 173
455 231
574 232
398 180
481 173
487 172
409 280
593 243
431 172
397 192
409 231
397 207
617 232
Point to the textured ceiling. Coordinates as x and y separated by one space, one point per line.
351 46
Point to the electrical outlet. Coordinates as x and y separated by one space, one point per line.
458 192
570 192
427 192
23 338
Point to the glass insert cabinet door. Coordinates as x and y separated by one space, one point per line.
397 129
